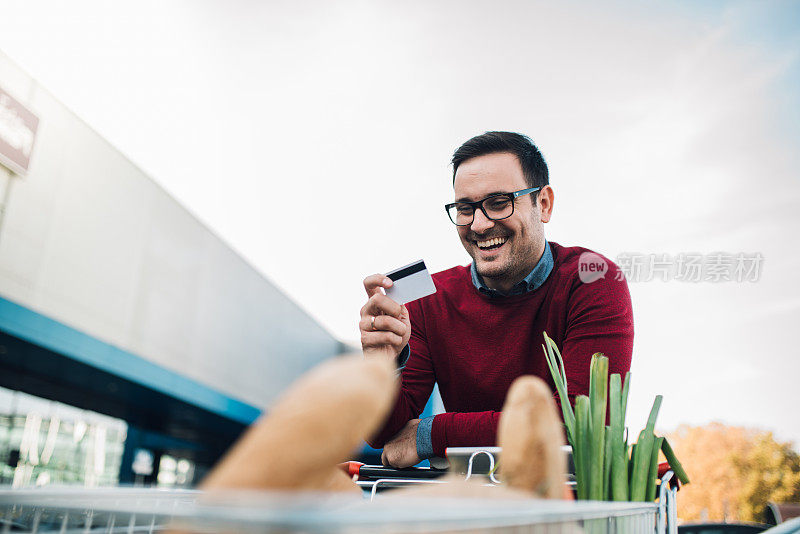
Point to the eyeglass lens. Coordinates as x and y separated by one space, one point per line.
495 208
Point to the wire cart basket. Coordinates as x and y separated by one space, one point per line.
135 510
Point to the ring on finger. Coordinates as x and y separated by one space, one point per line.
372 323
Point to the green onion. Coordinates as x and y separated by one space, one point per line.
617 453
556 365
598 395
581 449
673 462
641 459
640 465
625 389
651 419
652 474
607 466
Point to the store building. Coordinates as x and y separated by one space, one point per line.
116 301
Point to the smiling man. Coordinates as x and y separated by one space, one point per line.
484 326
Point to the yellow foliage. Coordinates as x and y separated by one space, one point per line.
735 471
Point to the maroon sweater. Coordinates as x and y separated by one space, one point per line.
474 346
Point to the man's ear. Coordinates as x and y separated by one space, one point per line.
545 200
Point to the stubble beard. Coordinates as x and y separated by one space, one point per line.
513 269
494 270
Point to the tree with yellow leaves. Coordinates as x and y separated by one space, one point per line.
735 471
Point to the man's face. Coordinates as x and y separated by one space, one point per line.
521 235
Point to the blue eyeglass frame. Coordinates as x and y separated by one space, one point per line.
479 204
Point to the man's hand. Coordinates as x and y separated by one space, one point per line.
401 451
384 325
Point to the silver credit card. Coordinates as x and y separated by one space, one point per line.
410 282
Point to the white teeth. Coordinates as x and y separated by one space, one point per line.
491 242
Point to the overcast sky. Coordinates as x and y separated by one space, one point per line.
314 138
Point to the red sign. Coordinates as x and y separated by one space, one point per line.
17 133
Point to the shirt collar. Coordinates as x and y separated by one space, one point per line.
533 281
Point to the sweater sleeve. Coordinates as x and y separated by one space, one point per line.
473 429
417 379
599 319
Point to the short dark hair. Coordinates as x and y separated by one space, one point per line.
530 159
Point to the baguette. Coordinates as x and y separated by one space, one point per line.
530 434
314 426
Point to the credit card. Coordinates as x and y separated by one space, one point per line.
410 282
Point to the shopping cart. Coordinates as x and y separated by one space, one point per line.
131 510
480 462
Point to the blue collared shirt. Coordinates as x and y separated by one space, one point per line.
533 281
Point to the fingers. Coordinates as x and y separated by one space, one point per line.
374 282
384 332
380 304
380 340
390 456
398 458
384 323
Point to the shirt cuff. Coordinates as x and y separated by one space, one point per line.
402 358
424 443
439 429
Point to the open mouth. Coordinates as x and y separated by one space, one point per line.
491 244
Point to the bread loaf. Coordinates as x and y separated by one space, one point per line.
531 437
316 424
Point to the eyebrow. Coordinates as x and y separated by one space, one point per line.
467 199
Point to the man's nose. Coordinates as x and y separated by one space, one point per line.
481 223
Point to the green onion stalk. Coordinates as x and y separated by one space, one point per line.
606 468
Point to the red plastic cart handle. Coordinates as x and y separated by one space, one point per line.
663 467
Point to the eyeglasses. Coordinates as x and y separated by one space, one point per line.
495 207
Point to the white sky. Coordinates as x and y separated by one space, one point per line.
314 138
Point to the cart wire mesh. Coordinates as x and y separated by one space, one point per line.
131 510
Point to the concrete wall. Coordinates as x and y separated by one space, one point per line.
91 241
